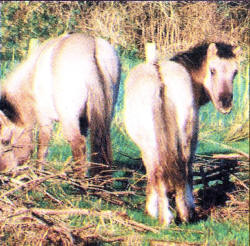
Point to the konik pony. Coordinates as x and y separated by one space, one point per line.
73 79
162 101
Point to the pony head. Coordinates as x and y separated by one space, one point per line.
15 144
220 70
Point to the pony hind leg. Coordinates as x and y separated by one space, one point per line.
157 204
165 215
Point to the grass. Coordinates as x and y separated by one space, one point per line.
111 215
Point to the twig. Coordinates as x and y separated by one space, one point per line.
229 147
138 226
111 239
240 182
30 183
53 198
185 230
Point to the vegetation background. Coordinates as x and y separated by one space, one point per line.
174 26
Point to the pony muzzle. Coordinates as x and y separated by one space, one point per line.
225 103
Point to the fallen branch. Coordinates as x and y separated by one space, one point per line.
241 182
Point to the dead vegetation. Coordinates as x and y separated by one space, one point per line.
35 209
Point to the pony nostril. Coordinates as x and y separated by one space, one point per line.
226 100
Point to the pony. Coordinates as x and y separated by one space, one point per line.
161 106
73 79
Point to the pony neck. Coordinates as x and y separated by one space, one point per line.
197 76
18 108
17 96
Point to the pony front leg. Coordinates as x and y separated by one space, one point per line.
71 130
78 146
44 136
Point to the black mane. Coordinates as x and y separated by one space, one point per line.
8 109
193 58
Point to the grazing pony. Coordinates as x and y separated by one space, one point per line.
162 100
73 79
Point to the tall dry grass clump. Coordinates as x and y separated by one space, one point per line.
173 26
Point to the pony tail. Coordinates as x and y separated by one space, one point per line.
99 123
101 101
151 53
172 168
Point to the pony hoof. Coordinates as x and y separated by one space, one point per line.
165 222
39 164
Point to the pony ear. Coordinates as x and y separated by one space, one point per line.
237 51
212 50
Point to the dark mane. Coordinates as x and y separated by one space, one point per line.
193 58
9 109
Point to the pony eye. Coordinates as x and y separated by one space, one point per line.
5 142
212 71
